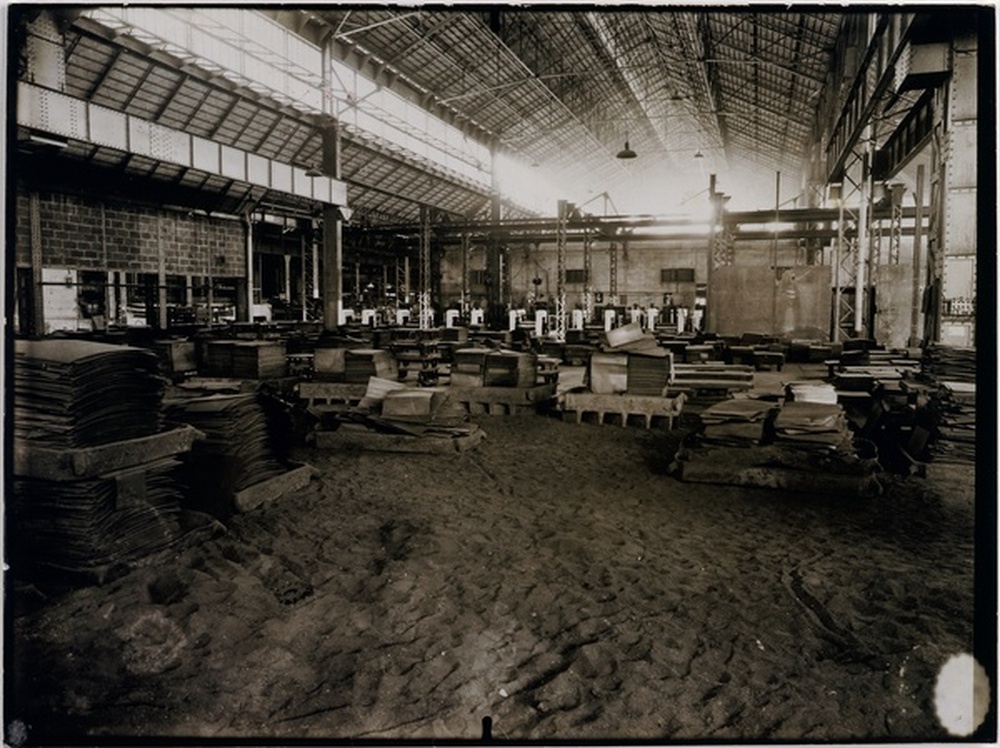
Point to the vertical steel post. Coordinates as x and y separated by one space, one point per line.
424 299
918 237
466 248
588 293
861 251
562 219
333 248
37 262
774 253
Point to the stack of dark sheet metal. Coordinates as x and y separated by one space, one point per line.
235 454
219 358
738 423
649 372
72 393
468 366
258 359
86 526
949 363
362 363
510 369
953 372
810 425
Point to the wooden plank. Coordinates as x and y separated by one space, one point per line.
270 489
344 438
503 395
32 461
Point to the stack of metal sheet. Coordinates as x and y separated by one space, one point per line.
607 373
467 367
235 454
812 425
649 372
85 525
741 422
362 363
510 369
258 359
811 392
74 393
953 371
219 359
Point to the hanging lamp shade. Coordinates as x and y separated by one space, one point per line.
699 154
626 152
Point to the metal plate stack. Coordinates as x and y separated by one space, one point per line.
85 526
953 370
468 366
75 393
811 425
362 363
738 423
235 454
649 374
258 359
219 359
510 369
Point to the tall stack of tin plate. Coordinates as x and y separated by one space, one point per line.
95 488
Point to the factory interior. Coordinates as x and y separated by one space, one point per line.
499 373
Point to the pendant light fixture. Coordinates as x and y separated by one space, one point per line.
626 152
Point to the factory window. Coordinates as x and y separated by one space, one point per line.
576 276
477 277
176 289
677 275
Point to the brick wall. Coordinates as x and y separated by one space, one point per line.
76 235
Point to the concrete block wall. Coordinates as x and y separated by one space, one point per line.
89 234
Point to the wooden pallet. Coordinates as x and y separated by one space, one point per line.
347 437
268 490
503 400
645 407
33 461
330 397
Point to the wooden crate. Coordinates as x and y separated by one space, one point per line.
353 436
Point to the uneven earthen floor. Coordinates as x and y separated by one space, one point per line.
555 580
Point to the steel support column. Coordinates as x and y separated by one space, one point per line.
466 248
333 244
721 251
851 251
562 219
588 276
613 273
958 197
426 312
917 303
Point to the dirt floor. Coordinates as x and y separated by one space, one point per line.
556 580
